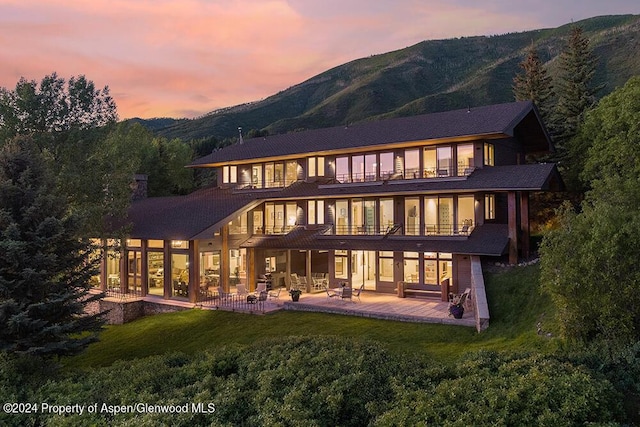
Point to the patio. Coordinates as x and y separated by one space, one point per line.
373 305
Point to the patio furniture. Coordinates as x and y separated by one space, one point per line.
275 294
241 290
347 293
357 292
262 287
330 293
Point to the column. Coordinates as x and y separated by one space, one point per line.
524 223
513 227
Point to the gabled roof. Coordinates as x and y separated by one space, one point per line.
493 121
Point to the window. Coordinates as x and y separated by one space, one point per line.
386 165
370 167
291 173
412 216
357 168
210 269
429 163
229 174
292 216
411 264
238 265
238 225
444 161
341 264
385 266
342 169
256 176
342 217
431 215
412 164
489 154
466 213
386 215
315 212
464 153
258 222
489 206
315 166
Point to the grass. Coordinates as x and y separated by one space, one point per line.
514 301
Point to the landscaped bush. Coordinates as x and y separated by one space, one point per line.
325 381
489 389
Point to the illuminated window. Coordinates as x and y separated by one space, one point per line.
489 206
315 166
489 154
230 174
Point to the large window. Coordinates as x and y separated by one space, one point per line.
464 153
291 173
357 168
412 216
466 213
342 169
386 165
412 164
315 212
209 270
386 215
273 175
238 266
238 225
437 267
385 266
370 167
411 265
342 217
341 264
179 274
256 176
445 215
429 162
444 161
155 272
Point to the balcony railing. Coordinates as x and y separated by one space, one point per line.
463 169
279 229
463 229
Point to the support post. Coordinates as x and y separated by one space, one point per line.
524 224
513 227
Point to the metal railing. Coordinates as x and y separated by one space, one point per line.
121 293
462 169
234 302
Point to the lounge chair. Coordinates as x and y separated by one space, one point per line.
262 287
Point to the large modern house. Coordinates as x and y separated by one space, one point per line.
374 204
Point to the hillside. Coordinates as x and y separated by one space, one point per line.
430 76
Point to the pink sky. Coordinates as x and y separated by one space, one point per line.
183 58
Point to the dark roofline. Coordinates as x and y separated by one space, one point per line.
493 121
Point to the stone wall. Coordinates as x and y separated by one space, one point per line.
122 311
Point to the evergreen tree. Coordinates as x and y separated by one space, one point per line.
534 83
576 94
45 266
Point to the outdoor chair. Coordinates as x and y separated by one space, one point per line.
241 290
347 293
330 293
357 292
262 287
275 294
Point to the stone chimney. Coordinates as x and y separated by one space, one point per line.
139 187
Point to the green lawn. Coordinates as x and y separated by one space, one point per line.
514 302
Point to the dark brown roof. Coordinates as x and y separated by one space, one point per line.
508 119
487 239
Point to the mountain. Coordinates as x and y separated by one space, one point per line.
430 76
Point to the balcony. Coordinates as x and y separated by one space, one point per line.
463 229
462 170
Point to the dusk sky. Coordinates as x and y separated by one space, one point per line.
183 58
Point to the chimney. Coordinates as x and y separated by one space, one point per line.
139 187
241 141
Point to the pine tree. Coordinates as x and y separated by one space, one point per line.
44 265
534 84
576 94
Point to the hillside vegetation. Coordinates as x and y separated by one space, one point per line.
430 76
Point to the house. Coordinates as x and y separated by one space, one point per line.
376 204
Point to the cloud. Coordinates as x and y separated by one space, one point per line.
174 57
